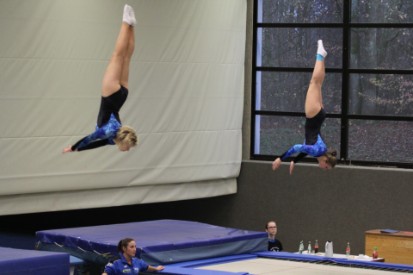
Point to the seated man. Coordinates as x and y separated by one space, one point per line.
273 243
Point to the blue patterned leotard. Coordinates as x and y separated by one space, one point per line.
316 150
108 122
313 144
102 136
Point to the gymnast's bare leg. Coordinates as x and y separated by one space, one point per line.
117 71
314 99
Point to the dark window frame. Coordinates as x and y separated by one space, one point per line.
345 71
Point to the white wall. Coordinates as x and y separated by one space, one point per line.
185 101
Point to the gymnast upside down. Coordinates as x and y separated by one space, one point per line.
315 116
109 129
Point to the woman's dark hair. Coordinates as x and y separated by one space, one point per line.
331 157
124 243
266 225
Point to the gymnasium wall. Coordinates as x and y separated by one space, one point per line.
185 101
338 205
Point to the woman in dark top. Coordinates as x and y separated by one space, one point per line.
315 115
109 129
273 243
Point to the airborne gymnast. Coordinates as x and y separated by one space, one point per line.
109 129
315 115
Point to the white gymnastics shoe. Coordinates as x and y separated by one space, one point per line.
129 15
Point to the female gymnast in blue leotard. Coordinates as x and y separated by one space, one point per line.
109 129
315 115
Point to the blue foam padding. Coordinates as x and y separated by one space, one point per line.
371 264
189 267
342 261
176 270
291 256
159 241
20 261
218 260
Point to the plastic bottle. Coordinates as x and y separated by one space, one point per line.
348 250
329 249
309 249
375 253
316 246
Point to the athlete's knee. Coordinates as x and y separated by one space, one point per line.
318 77
316 83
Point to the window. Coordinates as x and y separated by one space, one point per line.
368 89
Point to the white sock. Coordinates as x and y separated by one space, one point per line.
129 15
320 49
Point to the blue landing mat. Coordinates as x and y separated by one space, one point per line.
19 261
159 241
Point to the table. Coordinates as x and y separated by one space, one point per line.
395 247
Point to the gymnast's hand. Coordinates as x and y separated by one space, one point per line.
291 167
67 149
276 164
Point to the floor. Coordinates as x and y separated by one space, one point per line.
262 266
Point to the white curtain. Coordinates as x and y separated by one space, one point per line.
185 101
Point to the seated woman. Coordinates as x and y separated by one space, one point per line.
274 244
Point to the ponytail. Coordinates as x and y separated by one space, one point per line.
123 244
331 157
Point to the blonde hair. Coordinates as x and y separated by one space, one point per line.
126 135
